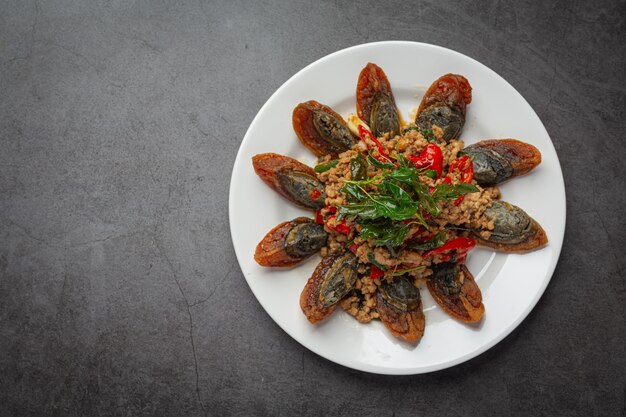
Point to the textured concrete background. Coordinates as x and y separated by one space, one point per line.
120 293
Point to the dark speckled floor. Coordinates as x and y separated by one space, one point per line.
120 293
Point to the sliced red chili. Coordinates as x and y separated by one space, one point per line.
460 259
447 257
366 134
318 217
431 157
315 194
375 272
465 166
461 245
343 228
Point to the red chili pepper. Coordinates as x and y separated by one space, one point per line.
430 157
366 134
375 272
461 244
340 227
460 259
318 217
353 248
343 228
446 257
315 194
465 165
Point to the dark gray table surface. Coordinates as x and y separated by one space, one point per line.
120 293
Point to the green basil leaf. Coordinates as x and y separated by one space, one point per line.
358 168
395 191
372 259
452 192
373 228
354 191
392 203
404 175
379 164
431 173
393 237
326 166
426 200
384 231
363 210
466 188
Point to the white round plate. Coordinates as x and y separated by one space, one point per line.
511 284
